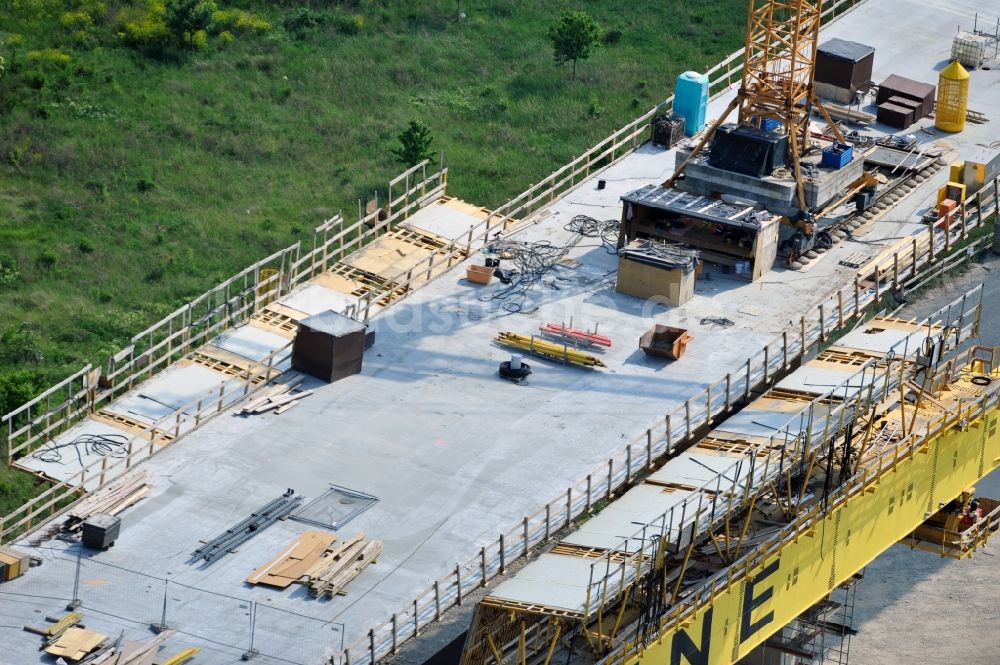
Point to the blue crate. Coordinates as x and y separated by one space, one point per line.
837 155
769 124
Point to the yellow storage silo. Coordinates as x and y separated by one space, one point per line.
953 98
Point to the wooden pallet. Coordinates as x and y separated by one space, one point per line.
585 552
729 448
129 424
276 322
364 282
224 367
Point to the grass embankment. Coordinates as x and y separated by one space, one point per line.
137 173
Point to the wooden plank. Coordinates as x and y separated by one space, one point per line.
294 561
333 557
286 407
138 653
368 555
285 310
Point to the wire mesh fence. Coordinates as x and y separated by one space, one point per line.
233 624
118 592
294 637
222 619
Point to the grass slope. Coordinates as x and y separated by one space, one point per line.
133 180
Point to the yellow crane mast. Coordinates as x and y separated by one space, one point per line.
779 56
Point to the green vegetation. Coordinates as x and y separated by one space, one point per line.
139 168
414 144
574 37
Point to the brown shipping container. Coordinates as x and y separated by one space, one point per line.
900 86
845 64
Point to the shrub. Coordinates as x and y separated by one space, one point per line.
612 37
143 27
302 21
595 110
350 25
199 39
16 388
156 274
76 20
237 21
20 346
46 260
226 37
49 56
9 274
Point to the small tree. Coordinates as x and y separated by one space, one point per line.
186 17
573 37
414 144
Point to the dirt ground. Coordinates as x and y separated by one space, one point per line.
914 608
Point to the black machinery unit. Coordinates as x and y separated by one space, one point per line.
100 531
748 150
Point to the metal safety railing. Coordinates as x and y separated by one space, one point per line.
141 446
734 575
230 303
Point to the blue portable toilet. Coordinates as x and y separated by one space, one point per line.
691 101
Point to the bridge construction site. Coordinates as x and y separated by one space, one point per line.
659 406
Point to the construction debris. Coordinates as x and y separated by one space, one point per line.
109 500
75 643
558 352
294 561
248 528
339 565
281 398
854 260
128 652
66 638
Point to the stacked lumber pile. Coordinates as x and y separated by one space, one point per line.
293 562
338 566
313 560
110 500
280 398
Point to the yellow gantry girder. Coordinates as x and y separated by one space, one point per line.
826 546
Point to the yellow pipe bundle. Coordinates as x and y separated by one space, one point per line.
550 350
183 656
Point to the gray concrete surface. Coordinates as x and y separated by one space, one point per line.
914 608
455 455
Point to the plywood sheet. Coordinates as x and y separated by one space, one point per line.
449 219
75 643
389 256
292 562
331 280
